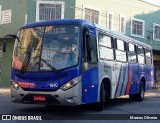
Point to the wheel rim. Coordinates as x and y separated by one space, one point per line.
104 95
142 92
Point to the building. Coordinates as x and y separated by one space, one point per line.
128 17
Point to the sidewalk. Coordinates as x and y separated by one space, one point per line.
153 92
4 91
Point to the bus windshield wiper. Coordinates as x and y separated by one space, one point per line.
49 65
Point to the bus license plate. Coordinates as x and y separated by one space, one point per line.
39 98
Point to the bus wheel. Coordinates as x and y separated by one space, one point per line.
100 105
140 95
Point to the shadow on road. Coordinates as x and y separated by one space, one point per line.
119 105
74 109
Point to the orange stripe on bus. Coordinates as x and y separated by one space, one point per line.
129 82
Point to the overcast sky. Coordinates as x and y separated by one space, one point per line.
156 2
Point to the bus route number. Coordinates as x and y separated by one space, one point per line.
60 30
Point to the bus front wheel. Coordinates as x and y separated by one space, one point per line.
100 105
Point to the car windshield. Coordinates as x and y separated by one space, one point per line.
49 48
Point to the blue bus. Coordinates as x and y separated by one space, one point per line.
74 62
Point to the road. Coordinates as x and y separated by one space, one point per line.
122 105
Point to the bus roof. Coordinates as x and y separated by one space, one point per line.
59 22
85 22
122 36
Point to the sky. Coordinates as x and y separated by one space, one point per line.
156 2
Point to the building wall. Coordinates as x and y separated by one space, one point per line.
25 12
6 64
17 18
18 10
128 8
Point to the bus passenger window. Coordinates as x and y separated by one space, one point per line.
140 53
105 40
120 45
106 51
120 51
148 57
132 58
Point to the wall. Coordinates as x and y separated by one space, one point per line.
6 64
18 8
17 18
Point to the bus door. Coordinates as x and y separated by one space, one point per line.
133 70
142 65
89 66
149 69
121 67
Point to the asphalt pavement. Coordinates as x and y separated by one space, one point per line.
118 106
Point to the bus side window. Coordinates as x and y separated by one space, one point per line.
120 51
132 57
106 51
140 53
92 50
148 56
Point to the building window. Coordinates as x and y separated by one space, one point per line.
137 28
156 32
122 24
110 20
49 10
92 15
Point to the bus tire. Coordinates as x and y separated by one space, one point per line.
140 95
100 105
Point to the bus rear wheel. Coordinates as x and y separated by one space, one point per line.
140 95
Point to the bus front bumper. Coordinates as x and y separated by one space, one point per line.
70 97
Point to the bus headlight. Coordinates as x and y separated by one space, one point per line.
71 83
15 85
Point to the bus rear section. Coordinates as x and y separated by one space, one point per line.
125 65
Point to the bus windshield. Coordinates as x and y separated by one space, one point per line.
47 48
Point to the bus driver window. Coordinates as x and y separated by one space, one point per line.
89 49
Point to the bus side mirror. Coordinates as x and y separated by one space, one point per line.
4 46
4 40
